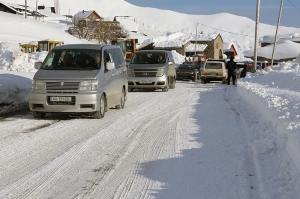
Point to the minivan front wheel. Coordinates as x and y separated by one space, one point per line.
122 101
172 86
101 112
167 86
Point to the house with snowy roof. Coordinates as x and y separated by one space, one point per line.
210 45
20 9
84 17
17 9
287 48
7 7
269 39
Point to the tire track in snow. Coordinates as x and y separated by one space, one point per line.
43 152
246 155
150 142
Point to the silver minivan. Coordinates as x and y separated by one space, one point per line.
80 78
152 69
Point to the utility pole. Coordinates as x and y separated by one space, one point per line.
25 8
256 34
275 40
57 7
36 7
196 39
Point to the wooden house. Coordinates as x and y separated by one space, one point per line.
83 18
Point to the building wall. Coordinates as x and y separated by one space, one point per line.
214 50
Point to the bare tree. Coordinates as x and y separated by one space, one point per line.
102 31
84 29
107 32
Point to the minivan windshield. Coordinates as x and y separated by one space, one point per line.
78 59
148 58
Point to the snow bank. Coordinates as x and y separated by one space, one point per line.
278 101
12 59
14 88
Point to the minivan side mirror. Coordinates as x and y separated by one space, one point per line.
110 65
37 65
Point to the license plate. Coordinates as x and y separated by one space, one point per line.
145 81
60 99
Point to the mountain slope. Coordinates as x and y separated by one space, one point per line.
155 22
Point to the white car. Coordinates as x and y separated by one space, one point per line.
214 71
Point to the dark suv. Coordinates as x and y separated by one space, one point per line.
187 71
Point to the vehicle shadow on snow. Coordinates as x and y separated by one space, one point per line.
193 174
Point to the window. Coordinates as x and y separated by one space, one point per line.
213 65
57 60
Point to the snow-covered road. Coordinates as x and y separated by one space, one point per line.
194 141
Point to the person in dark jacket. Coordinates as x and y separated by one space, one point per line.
231 66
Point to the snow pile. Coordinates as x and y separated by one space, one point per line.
276 93
15 60
14 88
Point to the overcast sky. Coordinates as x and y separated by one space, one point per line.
268 13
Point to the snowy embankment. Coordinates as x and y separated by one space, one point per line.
274 94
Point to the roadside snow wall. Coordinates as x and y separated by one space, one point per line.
274 108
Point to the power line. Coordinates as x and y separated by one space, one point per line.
293 5
226 31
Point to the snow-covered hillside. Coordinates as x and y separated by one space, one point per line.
155 22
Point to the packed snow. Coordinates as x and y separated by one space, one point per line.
271 94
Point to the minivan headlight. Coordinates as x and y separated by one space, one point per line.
160 72
38 85
89 85
130 73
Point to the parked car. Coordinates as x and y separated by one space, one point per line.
80 79
250 67
152 69
214 70
262 64
187 71
241 70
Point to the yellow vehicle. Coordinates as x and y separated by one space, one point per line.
47 45
127 45
28 48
